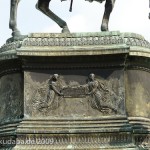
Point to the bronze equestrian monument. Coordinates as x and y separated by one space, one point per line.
74 91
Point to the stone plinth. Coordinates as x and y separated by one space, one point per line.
75 91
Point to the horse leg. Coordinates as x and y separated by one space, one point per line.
43 6
108 9
13 22
13 18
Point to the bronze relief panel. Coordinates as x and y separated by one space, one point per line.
74 94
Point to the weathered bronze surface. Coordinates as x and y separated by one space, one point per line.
11 92
75 91
70 91
43 6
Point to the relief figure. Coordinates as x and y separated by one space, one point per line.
54 94
98 94
49 95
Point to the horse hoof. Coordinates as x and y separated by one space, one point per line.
16 38
104 28
65 30
16 33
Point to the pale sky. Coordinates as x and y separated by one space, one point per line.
127 16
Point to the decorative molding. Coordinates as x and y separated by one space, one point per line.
142 141
11 46
73 66
78 141
73 41
12 66
94 39
140 124
9 128
98 43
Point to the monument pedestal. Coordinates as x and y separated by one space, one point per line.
75 91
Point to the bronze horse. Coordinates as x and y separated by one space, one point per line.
43 6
